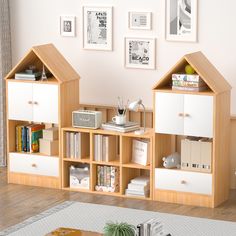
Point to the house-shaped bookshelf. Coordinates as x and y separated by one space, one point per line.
205 114
50 101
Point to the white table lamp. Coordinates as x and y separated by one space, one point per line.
134 106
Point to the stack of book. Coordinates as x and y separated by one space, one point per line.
77 145
107 179
141 152
104 147
127 127
27 137
188 82
152 227
139 186
28 74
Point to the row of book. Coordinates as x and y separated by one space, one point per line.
27 137
107 179
104 147
77 145
188 82
152 227
139 186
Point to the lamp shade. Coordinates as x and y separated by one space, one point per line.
133 106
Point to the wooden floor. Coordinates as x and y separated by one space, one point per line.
18 202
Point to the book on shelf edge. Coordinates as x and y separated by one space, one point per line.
127 127
141 152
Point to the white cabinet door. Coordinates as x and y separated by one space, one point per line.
169 109
45 99
20 101
198 120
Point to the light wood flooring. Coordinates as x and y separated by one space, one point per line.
18 202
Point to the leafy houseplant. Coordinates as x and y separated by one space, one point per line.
119 229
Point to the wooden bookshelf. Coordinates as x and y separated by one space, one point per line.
127 169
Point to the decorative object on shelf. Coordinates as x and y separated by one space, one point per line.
44 76
119 229
172 161
152 227
79 176
97 30
181 20
134 106
141 152
119 119
29 74
67 26
140 20
140 53
87 119
189 70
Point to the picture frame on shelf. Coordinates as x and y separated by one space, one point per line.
181 20
67 25
97 28
140 53
140 20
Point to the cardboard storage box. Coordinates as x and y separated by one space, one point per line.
51 133
48 147
196 155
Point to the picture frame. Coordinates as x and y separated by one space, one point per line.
67 25
140 20
140 53
181 20
97 28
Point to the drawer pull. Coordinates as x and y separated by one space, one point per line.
186 115
181 114
30 102
183 182
34 165
36 103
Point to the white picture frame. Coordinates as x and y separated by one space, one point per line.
140 53
67 25
181 20
97 28
140 20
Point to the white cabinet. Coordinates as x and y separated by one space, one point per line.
33 102
183 181
184 114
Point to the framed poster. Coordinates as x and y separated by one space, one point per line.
97 28
140 53
67 26
181 20
140 20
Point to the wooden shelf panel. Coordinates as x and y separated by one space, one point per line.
136 166
50 80
35 154
175 169
77 189
82 160
74 129
110 163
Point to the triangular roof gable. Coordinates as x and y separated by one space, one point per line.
51 58
212 77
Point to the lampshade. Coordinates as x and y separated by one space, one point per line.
133 106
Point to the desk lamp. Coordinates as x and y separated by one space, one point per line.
133 106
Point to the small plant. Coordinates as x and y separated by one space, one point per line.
119 229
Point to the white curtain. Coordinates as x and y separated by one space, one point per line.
5 66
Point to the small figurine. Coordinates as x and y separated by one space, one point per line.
44 77
172 161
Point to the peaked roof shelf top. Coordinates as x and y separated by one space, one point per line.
212 77
53 60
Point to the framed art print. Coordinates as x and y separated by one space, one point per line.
140 53
181 20
97 28
140 20
67 25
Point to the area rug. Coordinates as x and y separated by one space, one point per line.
93 217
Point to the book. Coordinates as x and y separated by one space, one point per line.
141 152
141 180
108 148
28 76
187 77
138 187
190 84
137 193
127 127
191 89
67 144
35 133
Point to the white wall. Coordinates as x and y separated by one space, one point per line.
103 74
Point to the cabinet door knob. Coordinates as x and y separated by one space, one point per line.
36 103
186 115
181 114
30 102
183 182
34 165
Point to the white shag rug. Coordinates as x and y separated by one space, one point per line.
93 217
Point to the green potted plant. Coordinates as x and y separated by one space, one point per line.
119 229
